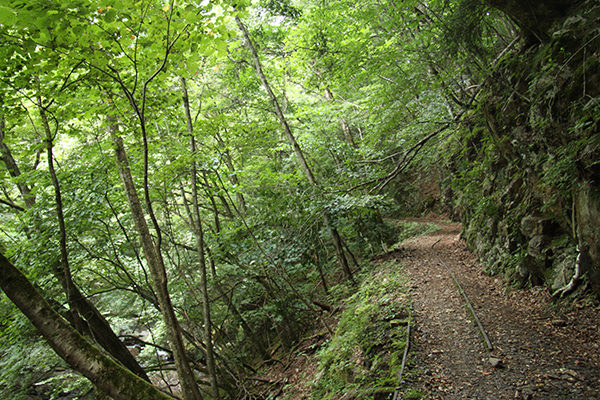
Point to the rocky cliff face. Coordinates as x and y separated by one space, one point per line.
525 178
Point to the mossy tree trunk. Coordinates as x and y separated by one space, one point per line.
106 374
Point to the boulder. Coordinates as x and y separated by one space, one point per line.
529 225
533 225
535 268
587 210
562 269
538 246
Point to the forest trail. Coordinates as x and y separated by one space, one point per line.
542 350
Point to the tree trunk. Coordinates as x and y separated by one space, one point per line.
256 340
157 271
81 355
94 321
197 223
232 176
335 236
260 346
67 278
348 138
13 168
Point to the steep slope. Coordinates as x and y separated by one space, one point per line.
524 175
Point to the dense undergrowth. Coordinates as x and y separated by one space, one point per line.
366 352
268 142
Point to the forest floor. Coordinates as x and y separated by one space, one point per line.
542 349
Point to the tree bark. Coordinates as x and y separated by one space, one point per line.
158 273
106 374
13 168
197 223
94 321
335 236
67 278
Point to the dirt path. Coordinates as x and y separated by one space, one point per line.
545 351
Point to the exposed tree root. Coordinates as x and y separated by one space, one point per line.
574 279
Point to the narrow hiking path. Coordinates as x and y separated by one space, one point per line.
541 350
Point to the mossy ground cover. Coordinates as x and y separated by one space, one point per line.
365 354
364 357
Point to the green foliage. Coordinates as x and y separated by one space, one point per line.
410 229
531 148
27 364
366 352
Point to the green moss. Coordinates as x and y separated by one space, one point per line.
366 351
409 229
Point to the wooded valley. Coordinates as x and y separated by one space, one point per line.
188 188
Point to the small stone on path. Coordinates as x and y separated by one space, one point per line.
495 362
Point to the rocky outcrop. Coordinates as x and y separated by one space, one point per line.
525 178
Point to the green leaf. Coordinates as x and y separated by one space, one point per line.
7 16
221 46
110 15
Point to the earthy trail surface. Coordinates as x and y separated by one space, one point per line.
544 350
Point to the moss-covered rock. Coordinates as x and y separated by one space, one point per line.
525 178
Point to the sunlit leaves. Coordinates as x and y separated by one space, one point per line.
7 15
368 66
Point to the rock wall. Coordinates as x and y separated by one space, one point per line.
525 176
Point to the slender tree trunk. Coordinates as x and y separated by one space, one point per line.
232 176
282 272
95 323
158 273
106 374
13 168
335 236
260 346
67 278
210 358
317 261
343 123
256 340
284 124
